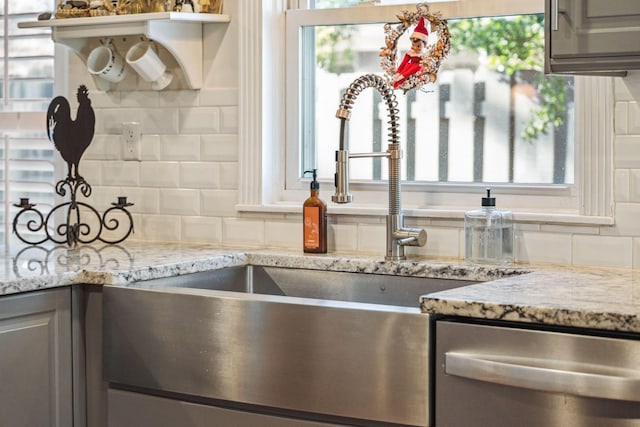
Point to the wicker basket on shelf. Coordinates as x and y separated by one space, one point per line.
210 6
71 9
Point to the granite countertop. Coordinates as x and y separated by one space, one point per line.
592 298
604 299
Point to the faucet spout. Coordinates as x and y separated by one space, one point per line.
397 235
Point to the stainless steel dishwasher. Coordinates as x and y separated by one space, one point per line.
492 375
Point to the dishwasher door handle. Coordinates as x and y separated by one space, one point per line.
578 379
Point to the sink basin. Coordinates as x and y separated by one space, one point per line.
331 347
402 291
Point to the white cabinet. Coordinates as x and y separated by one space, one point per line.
180 34
592 36
35 359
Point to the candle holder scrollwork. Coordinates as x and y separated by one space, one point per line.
82 222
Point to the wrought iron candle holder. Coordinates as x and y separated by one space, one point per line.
74 221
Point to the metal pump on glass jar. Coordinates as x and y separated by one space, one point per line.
398 236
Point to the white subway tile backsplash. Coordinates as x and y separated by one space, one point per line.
160 121
179 147
179 201
238 231
634 185
199 120
566 229
627 223
636 253
218 202
201 229
372 238
160 228
219 97
633 126
622 186
222 148
121 173
91 171
342 237
543 248
101 99
229 176
205 175
104 147
621 118
145 200
139 99
179 98
440 242
159 174
283 234
101 197
112 119
627 151
602 251
228 119
150 148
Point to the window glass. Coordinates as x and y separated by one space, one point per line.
26 88
492 116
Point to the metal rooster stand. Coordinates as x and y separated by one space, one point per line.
71 139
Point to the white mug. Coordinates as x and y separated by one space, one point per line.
106 63
146 62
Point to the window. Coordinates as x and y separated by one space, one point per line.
27 64
432 186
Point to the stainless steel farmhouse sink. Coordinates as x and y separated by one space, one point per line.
344 348
323 285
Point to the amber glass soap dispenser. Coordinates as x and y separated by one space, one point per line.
314 217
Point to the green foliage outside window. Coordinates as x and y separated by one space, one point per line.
511 45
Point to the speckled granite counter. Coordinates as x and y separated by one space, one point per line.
36 267
586 298
39 267
601 299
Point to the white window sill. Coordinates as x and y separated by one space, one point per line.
562 218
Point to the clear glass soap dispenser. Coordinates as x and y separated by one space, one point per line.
488 234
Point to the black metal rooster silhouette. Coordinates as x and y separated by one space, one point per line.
71 137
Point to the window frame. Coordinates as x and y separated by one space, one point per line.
273 119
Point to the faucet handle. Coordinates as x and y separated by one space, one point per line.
411 236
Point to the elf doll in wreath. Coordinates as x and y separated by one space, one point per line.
410 64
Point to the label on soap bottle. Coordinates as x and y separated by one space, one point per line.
311 227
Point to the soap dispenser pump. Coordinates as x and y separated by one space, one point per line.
488 234
314 217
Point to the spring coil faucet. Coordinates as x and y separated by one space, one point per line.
398 236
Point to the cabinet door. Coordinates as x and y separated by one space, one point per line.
35 359
593 34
